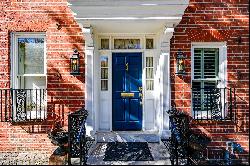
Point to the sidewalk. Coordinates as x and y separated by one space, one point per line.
100 154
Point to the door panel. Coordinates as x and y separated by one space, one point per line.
134 110
127 78
119 104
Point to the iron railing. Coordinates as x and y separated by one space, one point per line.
214 104
185 146
18 105
78 142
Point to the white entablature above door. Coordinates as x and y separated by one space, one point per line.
171 10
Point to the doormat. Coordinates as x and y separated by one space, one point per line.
128 151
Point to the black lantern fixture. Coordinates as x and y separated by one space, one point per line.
180 59
74 63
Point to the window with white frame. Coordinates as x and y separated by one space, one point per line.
208 94
104 73
149 73
29 76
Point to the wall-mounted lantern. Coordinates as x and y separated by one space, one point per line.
74 63
180 62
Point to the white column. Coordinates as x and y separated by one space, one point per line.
89 82
166 84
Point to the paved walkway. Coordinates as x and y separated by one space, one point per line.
157 151
28 158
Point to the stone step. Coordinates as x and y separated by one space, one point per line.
97 154
127 137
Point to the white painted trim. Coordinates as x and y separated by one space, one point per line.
15 81
101 3
105 34
129 18
208 44
166 35
110 52
89 80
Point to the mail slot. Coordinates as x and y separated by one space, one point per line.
127 94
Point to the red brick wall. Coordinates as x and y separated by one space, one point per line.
216 21
203 21
66 92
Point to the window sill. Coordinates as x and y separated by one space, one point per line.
228 122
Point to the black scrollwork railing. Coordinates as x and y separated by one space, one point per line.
214 104
19 105
78 141
178 143
185 146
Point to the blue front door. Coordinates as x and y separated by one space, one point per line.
127 91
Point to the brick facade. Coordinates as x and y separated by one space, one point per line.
216 21
66 92
203 21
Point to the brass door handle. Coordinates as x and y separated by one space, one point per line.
140 89
126 66
141 95
141 98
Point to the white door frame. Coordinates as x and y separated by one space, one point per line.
92 76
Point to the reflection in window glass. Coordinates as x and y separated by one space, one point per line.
104 85
104 61
127 44
149 61
104 43
104 73
150 85
149 73
149 43
31 55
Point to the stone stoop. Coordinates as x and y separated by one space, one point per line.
158 152
128 136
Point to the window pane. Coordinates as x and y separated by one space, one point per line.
206 63
149 73
31 55
104 43
104 61
197 63
149 43
149 84
127 43
149 61
104 73
210 63
104 85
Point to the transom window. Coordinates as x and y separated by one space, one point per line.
127 44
